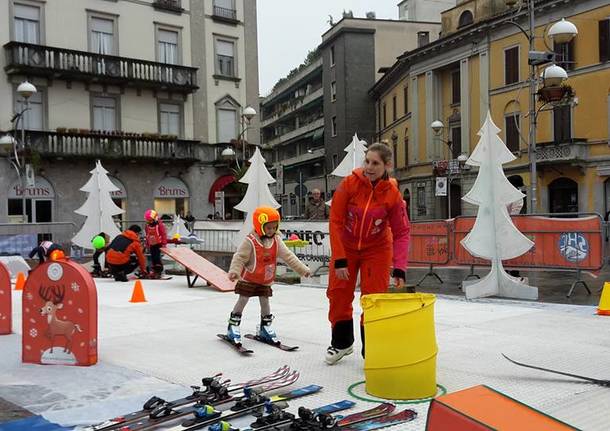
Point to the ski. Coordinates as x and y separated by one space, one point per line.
406 415
210 387
239 347
600 382
319 418
169 413
278 345
250 404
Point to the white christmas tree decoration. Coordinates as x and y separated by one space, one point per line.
98 208
494 236
178 227
356 152
258 194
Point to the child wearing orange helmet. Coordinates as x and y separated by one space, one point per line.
254 265
156 238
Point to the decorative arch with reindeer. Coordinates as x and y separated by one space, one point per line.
59 315
6 314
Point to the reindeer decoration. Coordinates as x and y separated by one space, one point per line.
54 296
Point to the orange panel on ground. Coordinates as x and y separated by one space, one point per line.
201 267
6 312
482 408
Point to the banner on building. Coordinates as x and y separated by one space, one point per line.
441 186
219 204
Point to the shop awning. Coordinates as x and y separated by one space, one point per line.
218 185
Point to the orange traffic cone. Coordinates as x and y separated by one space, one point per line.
603 309
20 281
138 293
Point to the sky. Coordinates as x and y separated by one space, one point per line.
289 29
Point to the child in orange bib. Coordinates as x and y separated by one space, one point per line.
254 264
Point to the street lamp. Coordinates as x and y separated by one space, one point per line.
246 116
560 32
15 149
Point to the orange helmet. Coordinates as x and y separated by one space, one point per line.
262 216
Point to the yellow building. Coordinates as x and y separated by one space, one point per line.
480 63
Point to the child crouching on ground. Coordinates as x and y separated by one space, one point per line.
254 264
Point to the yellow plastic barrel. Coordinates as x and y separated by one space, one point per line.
400 348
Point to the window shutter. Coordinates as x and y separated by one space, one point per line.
604 40
224 48
227 125
31 13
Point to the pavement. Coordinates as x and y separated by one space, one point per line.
163 346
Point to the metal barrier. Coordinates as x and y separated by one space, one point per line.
21 238
430 245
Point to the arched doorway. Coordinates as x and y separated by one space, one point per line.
517 182
119 197
563 196
39 202
406 195
456 200
171 197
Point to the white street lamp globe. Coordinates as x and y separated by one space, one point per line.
227 153
26 89
437 126
554 75
249 112
563 31
6 144
462 158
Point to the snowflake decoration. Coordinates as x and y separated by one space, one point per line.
33 333
75 287
27 309
28 347
32 320
80 311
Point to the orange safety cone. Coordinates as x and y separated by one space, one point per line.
20 282
603 309
138 293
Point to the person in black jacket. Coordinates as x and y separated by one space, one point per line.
44 250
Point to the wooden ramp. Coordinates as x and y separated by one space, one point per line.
200 267
482 408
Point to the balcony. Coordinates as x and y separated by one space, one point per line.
168 5
561 152
127 146
288 136
293 106
317 153
225 15
70 65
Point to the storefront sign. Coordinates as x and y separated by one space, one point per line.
121 193
41 190
219 204
171 188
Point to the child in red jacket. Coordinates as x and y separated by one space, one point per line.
156 238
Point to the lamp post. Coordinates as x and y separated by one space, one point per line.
454 165
246 116
561 32
14 148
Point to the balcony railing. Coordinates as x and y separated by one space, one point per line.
293 106
67 64
170 5
557 152
83 145
224 14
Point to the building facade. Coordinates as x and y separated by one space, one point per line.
126 82
480 63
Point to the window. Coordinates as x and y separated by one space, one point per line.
405 95
27 23
604 40
421 200
102 38
511 128
170 120
465 19
511 65
384 117
333 91
225 9
333 126
562 123
335 160
225 57
167 49
565 55
456 142
227 124
456 95
33 118
104 113
406 148
332 56
394 113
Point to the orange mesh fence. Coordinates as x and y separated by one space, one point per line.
429 243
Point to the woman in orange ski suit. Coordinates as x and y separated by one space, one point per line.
369 233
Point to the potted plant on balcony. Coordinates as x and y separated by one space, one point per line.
61 130
555 93
83 131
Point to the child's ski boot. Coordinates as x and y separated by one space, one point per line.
265 331
233 331
97 271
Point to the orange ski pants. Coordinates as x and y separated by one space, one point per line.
374 264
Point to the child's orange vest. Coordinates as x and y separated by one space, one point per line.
265 262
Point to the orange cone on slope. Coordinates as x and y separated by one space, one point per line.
603 309
20 282
138 293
